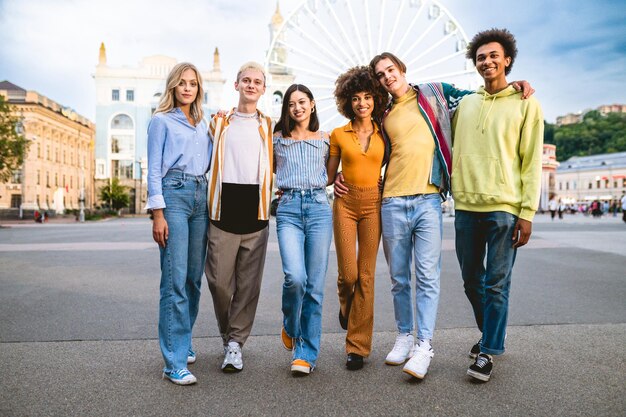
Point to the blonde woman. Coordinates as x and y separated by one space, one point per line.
179 152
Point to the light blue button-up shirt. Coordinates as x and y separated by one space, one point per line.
301 164
174 144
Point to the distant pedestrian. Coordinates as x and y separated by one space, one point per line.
553 206
561 209
179 152
624 208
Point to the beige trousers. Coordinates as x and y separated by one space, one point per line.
234 270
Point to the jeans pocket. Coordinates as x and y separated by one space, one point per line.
172 183
321 198
388 200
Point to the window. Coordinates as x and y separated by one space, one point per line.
122 121
47 179
122 169
206 98
560 185
130 95
38 175
38 150
115 95
56 180
48 152
16 200
122 144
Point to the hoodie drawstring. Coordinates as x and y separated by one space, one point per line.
486 115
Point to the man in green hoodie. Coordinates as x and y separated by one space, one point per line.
496 180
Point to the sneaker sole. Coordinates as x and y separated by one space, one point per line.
230 369
473 355
300 369
478 375
414 374
394 363
191 359
180 382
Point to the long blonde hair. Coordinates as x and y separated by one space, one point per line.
168 100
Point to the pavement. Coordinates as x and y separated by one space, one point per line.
78 309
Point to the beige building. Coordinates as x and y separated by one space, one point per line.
587 178
59 167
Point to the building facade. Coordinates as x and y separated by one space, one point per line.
587 178
125 101
549 166
58 170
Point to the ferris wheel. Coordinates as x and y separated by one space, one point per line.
321 39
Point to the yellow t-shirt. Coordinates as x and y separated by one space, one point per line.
359 168
412 150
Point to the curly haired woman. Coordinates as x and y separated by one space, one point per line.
356 215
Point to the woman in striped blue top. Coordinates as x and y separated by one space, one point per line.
303 223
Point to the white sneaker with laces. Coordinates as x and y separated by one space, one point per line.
417 366
233 359
402 349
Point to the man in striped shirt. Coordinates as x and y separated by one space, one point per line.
240 184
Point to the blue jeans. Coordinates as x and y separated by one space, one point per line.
487 288
412 227
304 227
182 264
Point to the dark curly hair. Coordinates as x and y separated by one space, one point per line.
502 36
358 80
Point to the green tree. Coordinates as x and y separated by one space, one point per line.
595 134
115 195
13 146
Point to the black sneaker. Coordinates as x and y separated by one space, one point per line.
475 350
481 369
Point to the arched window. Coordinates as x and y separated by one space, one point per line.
122 121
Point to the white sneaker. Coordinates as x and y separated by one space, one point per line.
417 366
402 349
233 359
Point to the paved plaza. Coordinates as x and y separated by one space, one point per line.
78 333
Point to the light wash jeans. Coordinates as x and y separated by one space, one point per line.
487 289
304 227
412 227
182 264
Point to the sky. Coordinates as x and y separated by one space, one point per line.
573 52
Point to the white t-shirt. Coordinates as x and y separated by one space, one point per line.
242 149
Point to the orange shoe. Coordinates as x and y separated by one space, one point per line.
287 341
300 366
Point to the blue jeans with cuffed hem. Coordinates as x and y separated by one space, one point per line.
304 227
412 228
182 264
487 287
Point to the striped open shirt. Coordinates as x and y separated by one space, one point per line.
301 164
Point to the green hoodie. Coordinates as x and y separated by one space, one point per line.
497 151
